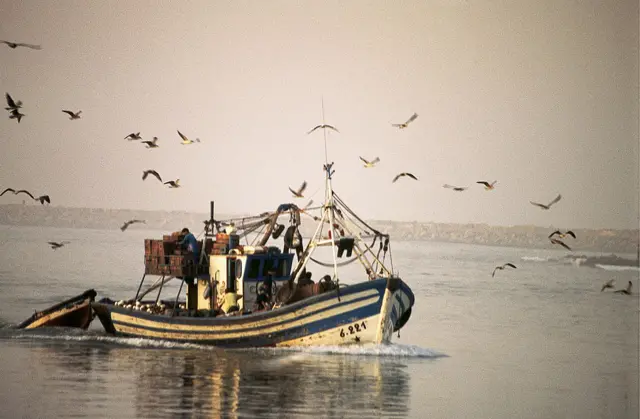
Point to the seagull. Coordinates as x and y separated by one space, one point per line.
151 172
398 176
128 223
43 199
626 291
561 243
488 186
56 245
185 140
502 267
298 193
14 45
608 284
403 126
323 126
73 115
17 192
151 144
455 188
563 235
173 183
133 136
546 207
12 105
15 114
371 163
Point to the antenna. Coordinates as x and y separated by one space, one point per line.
326 158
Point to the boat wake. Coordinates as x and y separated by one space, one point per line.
390 350
535 259
617 267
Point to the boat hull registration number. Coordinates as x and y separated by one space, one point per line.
352 329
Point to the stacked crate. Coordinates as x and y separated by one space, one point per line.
224 243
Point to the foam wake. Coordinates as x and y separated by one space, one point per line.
534 259
390 350
617 267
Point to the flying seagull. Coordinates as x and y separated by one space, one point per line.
56 245
560 242
323 126
133 136
546 207
398 176
128 223
488 186
17 192
501 268
455 188
563 235
43 199
608 284
298 193
151 172
403 126
12 105
151 144
173 183
15 114
626 291
371 163
73 115
185 140
15 45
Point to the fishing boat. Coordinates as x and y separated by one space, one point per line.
336 310
73 312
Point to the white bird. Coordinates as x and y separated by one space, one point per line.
152 143
546 207
173 183
608 284
323 126
151 172
187 141
12 105
17 192
371 163
501 268
404 125
73 115
488 186
398 176
562 235
14 45
57 245
455 188
128 223
133 136
298 193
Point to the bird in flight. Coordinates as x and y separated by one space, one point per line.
560 242
152 143
14 45
455 188
546 207
563 235
323 126
306 207
151 172
17 192
128 223
15 114
185 140
410 120
133 136
398 176
371 163
57 245
173 183
501 268
43 199
73 115
626 291
12 105
608 284
488 186
298 193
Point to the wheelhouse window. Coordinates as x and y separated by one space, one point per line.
254 268
282 268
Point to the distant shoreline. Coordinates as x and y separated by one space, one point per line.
598 240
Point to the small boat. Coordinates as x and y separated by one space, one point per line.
74 312
337 310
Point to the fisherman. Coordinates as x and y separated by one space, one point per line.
230 301
262 301
268 283
305 279
189 242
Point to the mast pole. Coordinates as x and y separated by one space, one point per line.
328 205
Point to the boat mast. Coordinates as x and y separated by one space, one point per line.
328 198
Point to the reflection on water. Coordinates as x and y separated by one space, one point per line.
204 382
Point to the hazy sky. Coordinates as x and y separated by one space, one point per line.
540 95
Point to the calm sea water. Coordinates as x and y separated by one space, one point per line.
540 341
